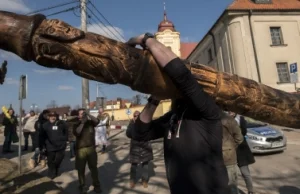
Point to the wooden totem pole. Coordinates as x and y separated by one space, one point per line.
55 44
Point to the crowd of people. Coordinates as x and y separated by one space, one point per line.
50 134
203 145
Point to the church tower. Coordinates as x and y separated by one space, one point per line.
167 35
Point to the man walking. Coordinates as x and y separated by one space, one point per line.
39 155
232 137
86 150
54 136
29 130
192 130
244 154
140 153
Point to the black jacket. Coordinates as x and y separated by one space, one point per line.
194 160
244 154
54 135
140 151
38 126
10 125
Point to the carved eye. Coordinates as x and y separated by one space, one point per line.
51 30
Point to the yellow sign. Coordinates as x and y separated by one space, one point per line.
5 111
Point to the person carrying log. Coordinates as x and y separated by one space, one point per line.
192 130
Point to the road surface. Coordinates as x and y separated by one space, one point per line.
272 174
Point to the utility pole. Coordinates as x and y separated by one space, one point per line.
85 82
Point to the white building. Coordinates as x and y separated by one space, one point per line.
256 39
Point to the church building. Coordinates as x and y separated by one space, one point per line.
170 37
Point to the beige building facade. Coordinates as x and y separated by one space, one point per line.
258 41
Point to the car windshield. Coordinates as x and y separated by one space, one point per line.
251 123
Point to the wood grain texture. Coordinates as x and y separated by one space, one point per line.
55 44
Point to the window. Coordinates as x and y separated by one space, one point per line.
210 55
276 35
283 72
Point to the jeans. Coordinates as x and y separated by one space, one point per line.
72 148
145 172
7 142
54 160
26 138
87 155
233 178
247 177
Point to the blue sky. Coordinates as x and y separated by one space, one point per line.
192 18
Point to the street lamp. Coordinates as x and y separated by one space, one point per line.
33 107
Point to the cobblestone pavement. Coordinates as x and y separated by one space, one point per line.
272 174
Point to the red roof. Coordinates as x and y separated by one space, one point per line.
275 5
186 48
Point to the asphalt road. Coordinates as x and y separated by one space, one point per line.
277 173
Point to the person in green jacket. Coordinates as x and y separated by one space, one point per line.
84 131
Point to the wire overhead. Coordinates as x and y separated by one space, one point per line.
52 7
63 11
101 27
107 20
104 25
109 30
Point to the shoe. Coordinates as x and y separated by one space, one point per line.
131 184
32 163
43 163
97 189
145 184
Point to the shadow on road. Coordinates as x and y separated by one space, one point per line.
29 184
289 190
15 153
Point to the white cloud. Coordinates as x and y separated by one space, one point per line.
14 6
45 71
64 87
107 31
11 81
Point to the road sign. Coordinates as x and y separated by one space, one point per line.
294 77
293 68
127 104
23 87
128 111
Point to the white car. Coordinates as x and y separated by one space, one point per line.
263 138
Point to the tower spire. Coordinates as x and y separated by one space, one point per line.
165 12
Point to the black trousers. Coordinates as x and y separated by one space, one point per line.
33 139
54 161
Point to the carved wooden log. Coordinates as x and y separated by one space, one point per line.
55 44
3 71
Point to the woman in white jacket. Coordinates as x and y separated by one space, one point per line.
101 129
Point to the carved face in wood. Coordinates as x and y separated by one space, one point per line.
50 44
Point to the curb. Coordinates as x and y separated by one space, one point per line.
118 127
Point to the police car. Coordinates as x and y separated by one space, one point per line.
263 138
